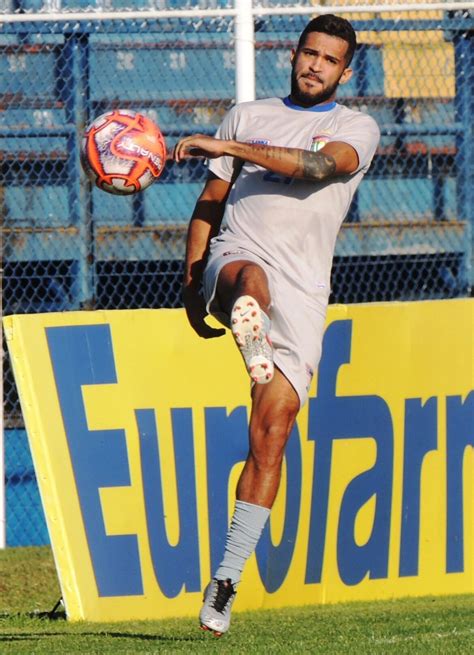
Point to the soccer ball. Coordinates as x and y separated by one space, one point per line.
123 152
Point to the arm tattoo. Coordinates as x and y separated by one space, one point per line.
295 162
316 165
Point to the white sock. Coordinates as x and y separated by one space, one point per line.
245 529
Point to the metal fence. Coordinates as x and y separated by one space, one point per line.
66 245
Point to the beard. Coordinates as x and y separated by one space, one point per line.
309 99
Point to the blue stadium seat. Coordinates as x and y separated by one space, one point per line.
157 72
186 84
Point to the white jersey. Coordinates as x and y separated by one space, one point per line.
291 224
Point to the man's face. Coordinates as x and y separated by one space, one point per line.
318 67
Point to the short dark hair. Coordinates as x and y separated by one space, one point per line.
334 26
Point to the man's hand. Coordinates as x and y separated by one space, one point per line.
199 145
196 313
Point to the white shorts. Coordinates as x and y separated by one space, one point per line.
297 320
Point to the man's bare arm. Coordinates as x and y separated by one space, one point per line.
204 225
336 158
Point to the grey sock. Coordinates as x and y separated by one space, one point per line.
245 529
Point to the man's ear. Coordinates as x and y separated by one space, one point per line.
346 76
292 56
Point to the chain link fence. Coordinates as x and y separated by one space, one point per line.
66 245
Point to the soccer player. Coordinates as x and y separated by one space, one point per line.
282 174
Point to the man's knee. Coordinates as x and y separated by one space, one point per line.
250 275
243 278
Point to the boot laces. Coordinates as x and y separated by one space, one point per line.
225 591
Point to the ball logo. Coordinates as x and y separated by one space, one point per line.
128 144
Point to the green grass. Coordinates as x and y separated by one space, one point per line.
29 589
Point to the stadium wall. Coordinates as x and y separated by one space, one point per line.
138 431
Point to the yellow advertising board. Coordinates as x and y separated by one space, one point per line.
138 431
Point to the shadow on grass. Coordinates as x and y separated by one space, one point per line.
46 616
55 615
25 636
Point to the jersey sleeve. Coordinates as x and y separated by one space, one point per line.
363 134
224 167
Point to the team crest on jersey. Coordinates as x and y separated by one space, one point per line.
258 142
319 141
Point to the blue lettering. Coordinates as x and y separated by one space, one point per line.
178 565
350 417
459 435
421 436
226 446
83 355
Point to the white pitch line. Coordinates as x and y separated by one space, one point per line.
417 637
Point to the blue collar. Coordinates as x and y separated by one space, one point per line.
287 101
